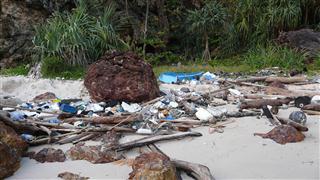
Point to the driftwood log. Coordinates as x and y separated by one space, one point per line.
286 80
310 112
152 139
312 107
19 127
259 103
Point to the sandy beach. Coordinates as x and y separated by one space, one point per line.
234 154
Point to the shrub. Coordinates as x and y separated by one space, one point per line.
79 38
53 67
274 56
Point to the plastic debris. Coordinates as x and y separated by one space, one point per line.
67 108
203 115
94 108
234 92
299 117
209 76
144 131
315 99
218 111
131 108
172 77
173 104
17 115
27 137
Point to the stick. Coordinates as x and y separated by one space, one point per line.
108 119
184 120
53 138
70 139
238 114
85 138
298 126
222 124
152 101
152 139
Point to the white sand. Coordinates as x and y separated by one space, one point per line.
26 88
234 154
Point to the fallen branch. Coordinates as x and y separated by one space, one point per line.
153 139
286 80
259 103
298 126
252 79
108 119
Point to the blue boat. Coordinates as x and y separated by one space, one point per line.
172 77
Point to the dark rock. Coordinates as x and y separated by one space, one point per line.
11 149
153 166
17 21
122 77
49 155
305 40
283 134
93 154
71 176
45 97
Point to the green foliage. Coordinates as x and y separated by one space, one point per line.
53 67
273 56
257 21
209 20
77 37
16 71
164 58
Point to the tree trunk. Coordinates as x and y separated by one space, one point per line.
145 30
206 54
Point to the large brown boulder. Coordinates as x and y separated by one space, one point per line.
11 149
123 77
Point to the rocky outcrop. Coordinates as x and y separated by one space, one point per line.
17 21
11 148
49 155
305 40
122 77
153 166
93 154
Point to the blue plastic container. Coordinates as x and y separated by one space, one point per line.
172 77
67 108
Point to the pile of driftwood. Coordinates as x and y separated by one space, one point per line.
265 92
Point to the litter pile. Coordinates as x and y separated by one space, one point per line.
47 119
